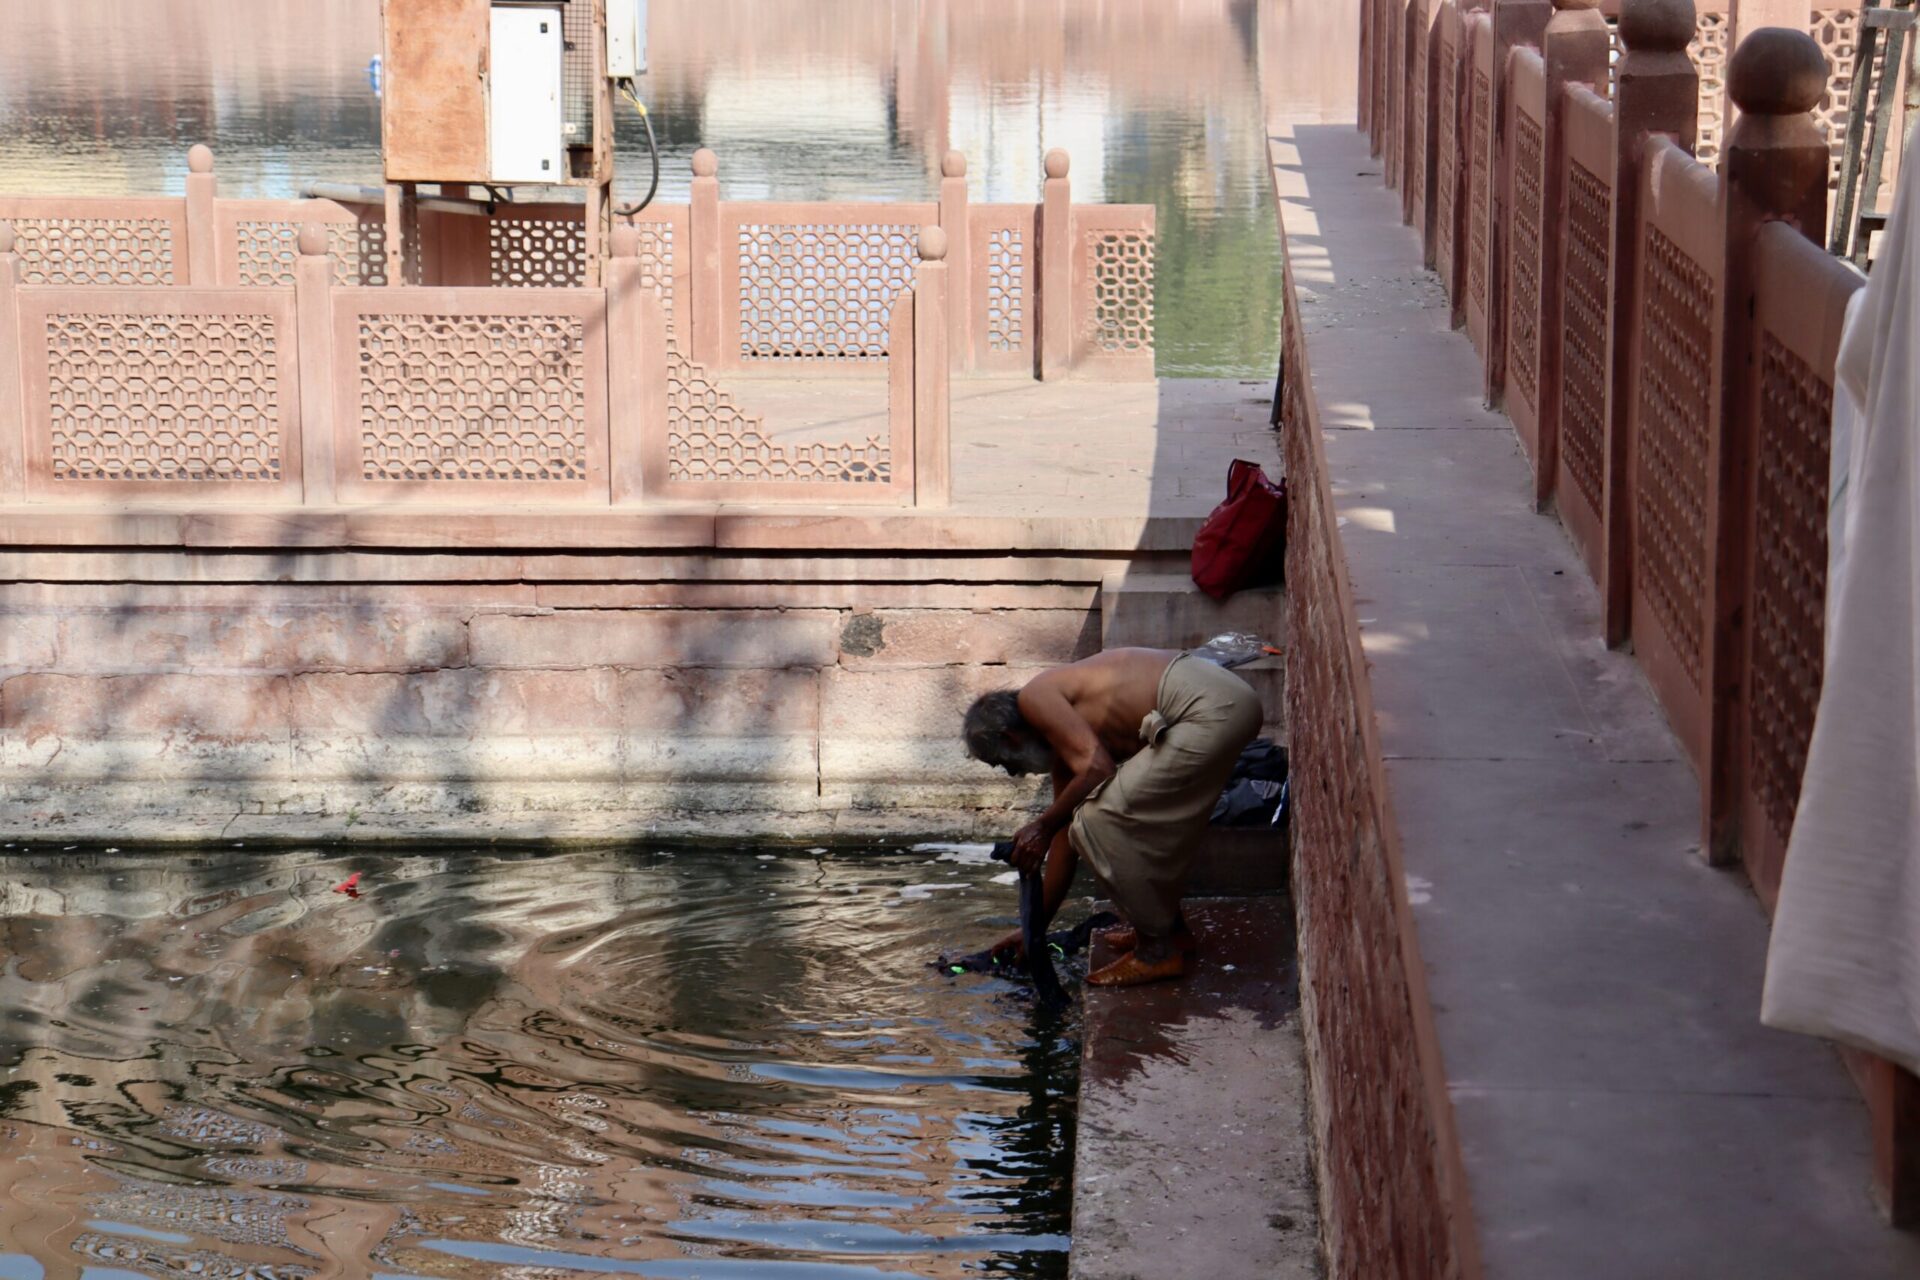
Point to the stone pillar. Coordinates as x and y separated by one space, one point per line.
13 462
598 213
403 228
1657 92
1516 24
636 368
313 314
1056 268
1574 50
932 448
1364 107
704 280
953 220
203 242
1773 168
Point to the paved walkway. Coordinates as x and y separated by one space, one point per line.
1081 446
1596 987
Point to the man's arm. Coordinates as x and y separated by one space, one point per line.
1079 755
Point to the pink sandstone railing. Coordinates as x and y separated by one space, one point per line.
1415 26
310 352
775 287
1662 335
319 393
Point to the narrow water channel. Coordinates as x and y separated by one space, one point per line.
675 1063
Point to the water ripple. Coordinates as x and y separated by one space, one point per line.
604 1062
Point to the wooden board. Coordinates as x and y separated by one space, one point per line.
434 90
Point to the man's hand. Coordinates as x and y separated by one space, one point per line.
1030 848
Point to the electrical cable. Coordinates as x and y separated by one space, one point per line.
653 150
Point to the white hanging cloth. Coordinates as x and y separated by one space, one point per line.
1844 962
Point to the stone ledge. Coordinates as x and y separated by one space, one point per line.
1194 1160
455 529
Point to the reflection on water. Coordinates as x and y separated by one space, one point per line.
672 1064
1157 100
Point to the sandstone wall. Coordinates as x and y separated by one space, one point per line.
1392 1196
573 706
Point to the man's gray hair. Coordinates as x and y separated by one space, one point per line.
991 718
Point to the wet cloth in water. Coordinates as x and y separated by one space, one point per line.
1140 828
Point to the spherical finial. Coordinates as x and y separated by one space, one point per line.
1562 6
313 240
705 163
1057 163
200 158
6 237
1657 26
954 165
626 240
933 244
1777 71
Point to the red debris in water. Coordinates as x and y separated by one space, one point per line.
350 886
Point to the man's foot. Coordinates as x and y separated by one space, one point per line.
1125 938
1131 971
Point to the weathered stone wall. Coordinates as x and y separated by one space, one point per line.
1390 1204
469 707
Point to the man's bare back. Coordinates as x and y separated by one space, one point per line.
1110 693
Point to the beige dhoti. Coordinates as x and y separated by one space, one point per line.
1140 828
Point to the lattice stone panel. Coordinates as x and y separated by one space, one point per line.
95 251
164 397
1417 144
1006 289
269 248
1120 320
1583 362
1709 53
656 265
709 437
1789 578
822 291
1671 478
1524 314
1480 104
1447 178
1837 31
452 398
535 253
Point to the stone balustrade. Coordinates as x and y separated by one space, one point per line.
1662 332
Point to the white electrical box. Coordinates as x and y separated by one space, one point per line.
526 125
626 38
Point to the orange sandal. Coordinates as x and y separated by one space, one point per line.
1131 971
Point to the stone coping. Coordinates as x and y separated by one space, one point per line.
705 528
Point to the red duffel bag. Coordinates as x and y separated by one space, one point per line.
1243 541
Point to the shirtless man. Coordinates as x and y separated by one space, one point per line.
1140 743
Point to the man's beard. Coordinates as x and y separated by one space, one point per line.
1029 758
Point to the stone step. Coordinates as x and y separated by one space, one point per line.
1240 862
1193 1160
1162 610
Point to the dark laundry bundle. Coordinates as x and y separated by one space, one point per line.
1256 793
1063 943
